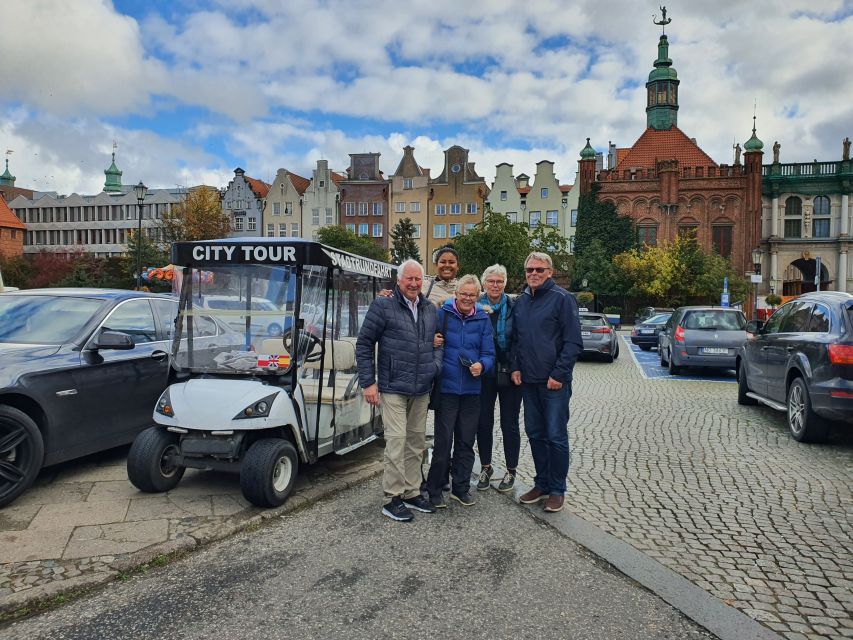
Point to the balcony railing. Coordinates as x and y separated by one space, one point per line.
800 169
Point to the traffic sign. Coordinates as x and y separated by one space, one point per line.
724 299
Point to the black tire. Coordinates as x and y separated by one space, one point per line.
268 472
803 423
663 361
616 352
150 464
673 370
645 347
743 386
21 453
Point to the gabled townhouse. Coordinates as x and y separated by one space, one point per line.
457 198
364 198
321 200
410 198
243 203
283 215
11 231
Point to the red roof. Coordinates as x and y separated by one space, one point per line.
300 183
7 218
524 190
259 187
565 188
337 178
671 144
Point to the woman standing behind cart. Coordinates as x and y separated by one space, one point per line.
497 384
442 286
469 351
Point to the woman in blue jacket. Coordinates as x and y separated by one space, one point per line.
469 352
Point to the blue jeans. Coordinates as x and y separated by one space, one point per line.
546 421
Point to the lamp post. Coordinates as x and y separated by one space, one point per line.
756 278
140 191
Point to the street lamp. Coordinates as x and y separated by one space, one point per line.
756 278
140 191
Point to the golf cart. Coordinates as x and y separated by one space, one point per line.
276 388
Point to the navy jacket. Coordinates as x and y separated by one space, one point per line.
470 337
408 363
546 334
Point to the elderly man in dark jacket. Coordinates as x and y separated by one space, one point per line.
546 344
404 327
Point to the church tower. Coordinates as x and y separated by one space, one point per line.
113 181
662 87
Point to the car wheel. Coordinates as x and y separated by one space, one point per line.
268 472
673 370
805 425
616 351
151 465
661 351
21 453
645 347
743 387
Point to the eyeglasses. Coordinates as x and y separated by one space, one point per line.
468 296
536 269
494 283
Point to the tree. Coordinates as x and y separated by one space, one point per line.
495 240
403 242
601 234
346 240
198 216
152 255
16 270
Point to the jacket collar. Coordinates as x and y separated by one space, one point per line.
402 299
546 286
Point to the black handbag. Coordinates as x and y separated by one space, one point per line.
435 394
503 379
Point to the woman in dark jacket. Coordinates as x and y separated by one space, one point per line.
497 385
469 352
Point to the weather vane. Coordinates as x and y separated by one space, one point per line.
663 21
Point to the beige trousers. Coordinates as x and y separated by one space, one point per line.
404 420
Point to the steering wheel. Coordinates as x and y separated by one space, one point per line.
312 344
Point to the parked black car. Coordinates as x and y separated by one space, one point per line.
645 334
801 361
709 337
644 313
80 372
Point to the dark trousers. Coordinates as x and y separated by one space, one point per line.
510 402
546 421
455 429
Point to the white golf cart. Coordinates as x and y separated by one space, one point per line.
279 390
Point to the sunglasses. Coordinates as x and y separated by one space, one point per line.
465 362
535 269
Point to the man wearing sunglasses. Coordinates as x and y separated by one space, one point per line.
546 344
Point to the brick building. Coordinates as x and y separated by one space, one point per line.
11 231
364 198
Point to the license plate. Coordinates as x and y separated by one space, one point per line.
647 331
715 350
585 334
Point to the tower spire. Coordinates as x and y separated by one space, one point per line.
662 87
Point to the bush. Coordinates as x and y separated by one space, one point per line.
613 310
773 300
585 298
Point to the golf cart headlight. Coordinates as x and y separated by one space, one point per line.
259 409
164 405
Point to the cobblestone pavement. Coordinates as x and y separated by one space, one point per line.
716 492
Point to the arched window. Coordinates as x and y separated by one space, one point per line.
793 217
647 234
821 218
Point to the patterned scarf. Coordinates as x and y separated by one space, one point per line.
501 310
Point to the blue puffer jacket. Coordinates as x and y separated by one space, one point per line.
470 337
408 363
546 334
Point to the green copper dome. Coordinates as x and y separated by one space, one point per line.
587 152
753 144
113 182
7 179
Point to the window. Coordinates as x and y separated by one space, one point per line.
378 209
543 192
322 183
407 183
135 318
687 230
793 217
315 217
416 231
647 235
288 208
820 221
535 218
471 207
551 218
820 319
238 224
503 195
349 208
512 216
350 227
821 206
469 226
377 230
270 230
721 239
282 229
571 244
400 207
455 209
574 219
415 207
362 208
253 224
820 228
276 208
294 229
455 230
329 217
440 210
439 231
362 229
797 319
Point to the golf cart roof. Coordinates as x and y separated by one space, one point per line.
277 252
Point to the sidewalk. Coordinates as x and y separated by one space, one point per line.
83 523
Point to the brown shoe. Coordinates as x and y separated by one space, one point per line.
554 503
534 495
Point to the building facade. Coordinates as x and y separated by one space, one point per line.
410 197
11 232
283 210
321 200
457 199
364 198
243 203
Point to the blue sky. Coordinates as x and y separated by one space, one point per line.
191 89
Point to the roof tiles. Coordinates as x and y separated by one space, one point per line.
8 220
669 144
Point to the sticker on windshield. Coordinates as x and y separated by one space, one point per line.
273 361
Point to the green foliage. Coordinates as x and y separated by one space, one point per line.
151 256
773 300
345 240
613 310
549 239
16 270
585 298
198 216
403 245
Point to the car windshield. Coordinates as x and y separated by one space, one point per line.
715 320
592 321
658 319
30 319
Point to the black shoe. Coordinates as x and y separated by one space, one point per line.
396 510
507 483
438 502
419 503
484 481
464 498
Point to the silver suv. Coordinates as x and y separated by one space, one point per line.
708 337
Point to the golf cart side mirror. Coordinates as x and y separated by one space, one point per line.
754 326
113 340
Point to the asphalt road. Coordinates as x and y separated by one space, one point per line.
340 569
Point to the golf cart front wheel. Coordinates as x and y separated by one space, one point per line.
268 472
152 464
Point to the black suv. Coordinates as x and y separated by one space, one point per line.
801 361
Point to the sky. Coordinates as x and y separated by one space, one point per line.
189 90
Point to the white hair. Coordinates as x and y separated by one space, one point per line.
469 279
496 269
541 257
405 265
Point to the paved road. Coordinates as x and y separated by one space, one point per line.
649 364
717 492
340 570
